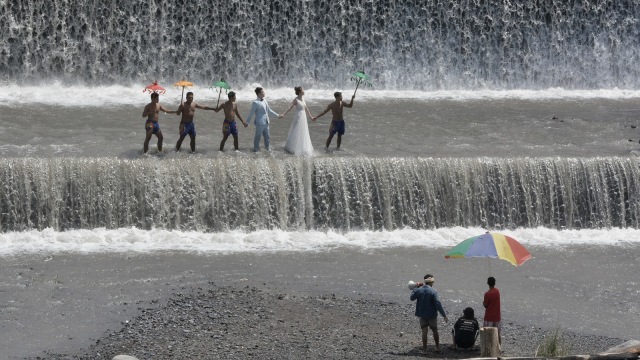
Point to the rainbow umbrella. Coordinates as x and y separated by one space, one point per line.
491 245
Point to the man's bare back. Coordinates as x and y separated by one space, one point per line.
336 109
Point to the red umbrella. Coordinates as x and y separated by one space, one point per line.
154 88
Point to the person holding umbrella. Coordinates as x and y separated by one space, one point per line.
187 126
427 308
229 126
152 126
337 121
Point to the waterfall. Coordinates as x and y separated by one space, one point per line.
413 44
343 194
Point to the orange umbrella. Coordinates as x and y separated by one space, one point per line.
183 83
154 88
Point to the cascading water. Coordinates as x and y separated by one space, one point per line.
345 194
466 44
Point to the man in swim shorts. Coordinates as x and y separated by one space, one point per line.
337 121
187 126
229 126
152 112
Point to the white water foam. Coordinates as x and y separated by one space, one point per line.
56 94
143 241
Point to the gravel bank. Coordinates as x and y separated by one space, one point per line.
233 322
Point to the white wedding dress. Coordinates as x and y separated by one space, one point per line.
298 140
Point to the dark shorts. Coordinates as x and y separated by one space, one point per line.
189 129
150 124
229 127
337 127
432 323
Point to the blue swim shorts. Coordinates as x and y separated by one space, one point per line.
229 127
152 124
189 129
337 127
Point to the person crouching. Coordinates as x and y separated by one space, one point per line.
465 331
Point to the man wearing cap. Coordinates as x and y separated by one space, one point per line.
427 308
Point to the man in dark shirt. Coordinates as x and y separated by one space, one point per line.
465 331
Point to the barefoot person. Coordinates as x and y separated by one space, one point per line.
298 140
151 112
187 127
229 126
337 122
260 109
427 308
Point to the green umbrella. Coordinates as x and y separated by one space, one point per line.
222 85
360 78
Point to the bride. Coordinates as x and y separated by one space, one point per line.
298 140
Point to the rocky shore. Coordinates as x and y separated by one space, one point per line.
249 322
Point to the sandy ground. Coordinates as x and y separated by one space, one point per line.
64 303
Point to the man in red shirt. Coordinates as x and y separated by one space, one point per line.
492 308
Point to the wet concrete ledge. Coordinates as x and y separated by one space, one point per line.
622 356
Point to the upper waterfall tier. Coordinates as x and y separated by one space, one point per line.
414 44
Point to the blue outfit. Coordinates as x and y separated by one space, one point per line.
428 305
229 127
261 110
152 123
337 127
189 129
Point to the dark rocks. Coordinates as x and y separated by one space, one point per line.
231 323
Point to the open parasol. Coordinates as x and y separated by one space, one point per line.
154 88
183 83
360 78
219 86
491 245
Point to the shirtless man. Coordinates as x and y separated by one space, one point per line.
187 110
337 122
151 112
229 126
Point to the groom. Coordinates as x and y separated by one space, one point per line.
261 110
